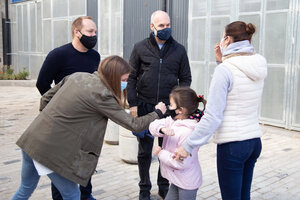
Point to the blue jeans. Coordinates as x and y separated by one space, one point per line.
30 178
235 163
86 192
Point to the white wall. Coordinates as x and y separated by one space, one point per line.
38 27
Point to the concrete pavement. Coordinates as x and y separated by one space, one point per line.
276 176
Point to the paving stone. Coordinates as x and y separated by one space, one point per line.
276 175
208 194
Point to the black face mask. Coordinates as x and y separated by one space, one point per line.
163 34
88 41
172 113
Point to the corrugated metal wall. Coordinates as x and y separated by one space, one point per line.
137 15
2 10
92 11
178 11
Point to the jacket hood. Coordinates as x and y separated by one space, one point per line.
253 66
189 123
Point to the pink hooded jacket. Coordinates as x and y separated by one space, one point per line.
186 174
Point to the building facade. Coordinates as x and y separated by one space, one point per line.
41 25
277 38
2 14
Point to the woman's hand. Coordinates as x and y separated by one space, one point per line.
218 53
162 107
181 153
133 111
168 131
156 150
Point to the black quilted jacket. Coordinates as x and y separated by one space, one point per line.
156 71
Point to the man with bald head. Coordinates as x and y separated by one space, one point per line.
160 63
76 56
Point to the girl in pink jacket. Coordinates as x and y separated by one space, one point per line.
184 175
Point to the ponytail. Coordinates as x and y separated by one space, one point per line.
239 31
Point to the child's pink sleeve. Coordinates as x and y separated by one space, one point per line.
156 125
167 157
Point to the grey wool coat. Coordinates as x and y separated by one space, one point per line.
67 135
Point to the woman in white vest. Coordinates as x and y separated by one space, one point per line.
232 111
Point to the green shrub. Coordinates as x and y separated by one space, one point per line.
9 75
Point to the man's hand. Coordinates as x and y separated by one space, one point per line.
156 150
168 131
162 107
133 111
181 153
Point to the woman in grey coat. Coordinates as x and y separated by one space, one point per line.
64 141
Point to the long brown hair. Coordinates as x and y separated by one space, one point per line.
187 98
110 70
239 31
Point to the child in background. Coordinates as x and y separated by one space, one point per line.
184 175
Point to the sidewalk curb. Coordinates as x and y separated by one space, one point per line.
20 83
280 131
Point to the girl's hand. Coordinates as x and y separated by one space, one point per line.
156 150
168 131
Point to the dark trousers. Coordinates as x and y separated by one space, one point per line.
145 155
178 193
235 163
85 191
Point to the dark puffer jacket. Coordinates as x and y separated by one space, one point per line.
157 71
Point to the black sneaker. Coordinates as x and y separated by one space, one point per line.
162 193
144 195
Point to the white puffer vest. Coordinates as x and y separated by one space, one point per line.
240 119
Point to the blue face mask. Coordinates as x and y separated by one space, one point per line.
221 48
123 85
164 34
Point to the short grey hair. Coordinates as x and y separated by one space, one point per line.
154 15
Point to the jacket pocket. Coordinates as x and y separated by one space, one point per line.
85 164
141 79
146 80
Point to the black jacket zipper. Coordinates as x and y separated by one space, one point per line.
160 62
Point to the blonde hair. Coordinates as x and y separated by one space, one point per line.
77 23
110 70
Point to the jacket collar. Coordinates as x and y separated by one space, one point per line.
153 41
162 52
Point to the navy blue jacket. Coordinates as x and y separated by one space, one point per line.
63 61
